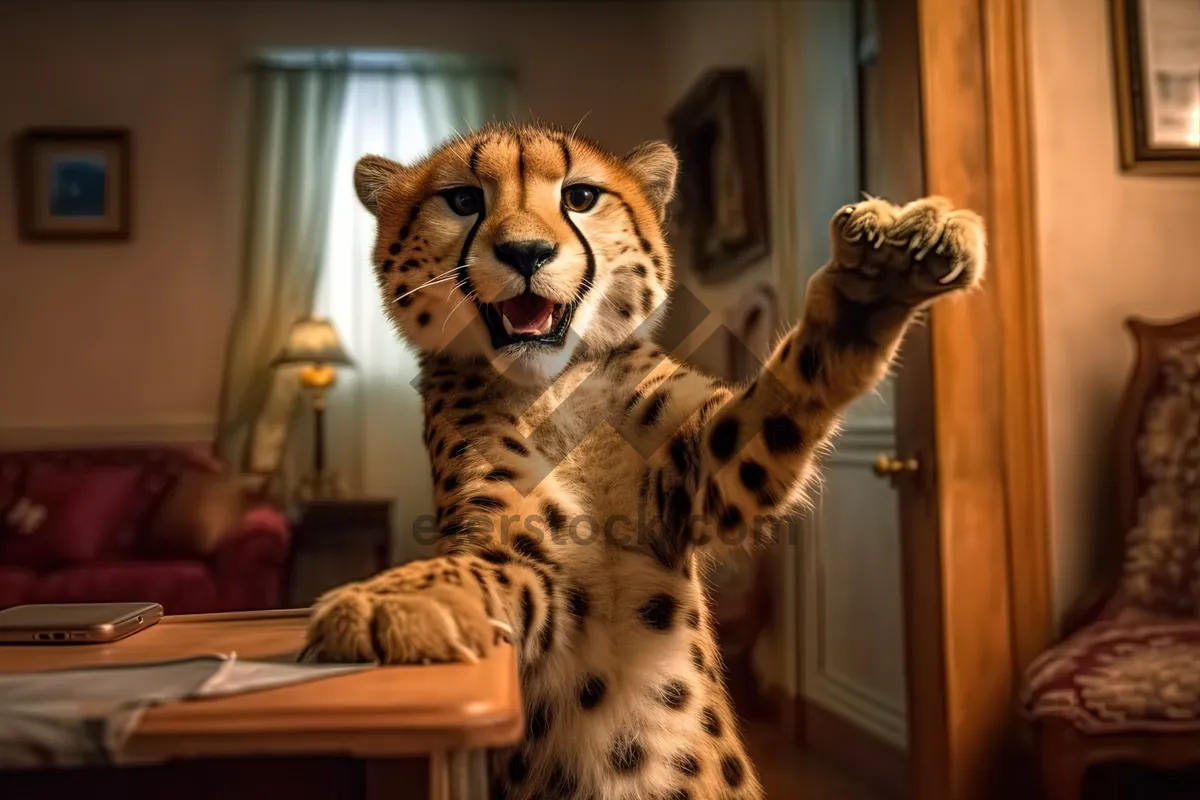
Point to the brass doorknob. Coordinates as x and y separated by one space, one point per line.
886 466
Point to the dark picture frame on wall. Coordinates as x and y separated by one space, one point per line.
73 184
722 206
1156 54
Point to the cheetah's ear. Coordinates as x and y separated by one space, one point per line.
655 165
371 176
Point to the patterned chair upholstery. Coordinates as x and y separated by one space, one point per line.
1126 679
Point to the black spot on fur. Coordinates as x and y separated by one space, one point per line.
471 419
592 691
500 474
654 409
698 657
387 265
423 318
626 755
472 383
753 475
679 454
625 310
731 517
502 576
394 248
526 610
437 448
555 517
463 403
514 446
495 555
781 435
675 695
639 270
528 546
809 362
723 439
647 300
562 783
518 767
733 771
711 722
687 764
659 612
412 263
693 619
487 503
402 296
579 603
458 449
538 724
447 386
437 407
451 483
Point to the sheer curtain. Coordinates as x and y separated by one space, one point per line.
294 133
400 108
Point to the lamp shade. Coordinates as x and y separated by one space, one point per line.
313 340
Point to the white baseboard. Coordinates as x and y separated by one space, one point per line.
165 430
870 713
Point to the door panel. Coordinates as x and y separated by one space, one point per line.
852 600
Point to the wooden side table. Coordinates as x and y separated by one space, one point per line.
337 541
381 734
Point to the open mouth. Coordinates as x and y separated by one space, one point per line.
527 318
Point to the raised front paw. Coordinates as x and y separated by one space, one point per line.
409 616
909 254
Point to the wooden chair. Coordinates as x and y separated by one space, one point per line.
1124 685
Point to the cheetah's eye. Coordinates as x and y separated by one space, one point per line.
580 197
464 200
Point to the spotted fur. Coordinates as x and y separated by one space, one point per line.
580 486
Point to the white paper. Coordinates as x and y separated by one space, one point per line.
1171 48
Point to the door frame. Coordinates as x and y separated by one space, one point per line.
978 600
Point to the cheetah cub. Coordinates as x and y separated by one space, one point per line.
583 476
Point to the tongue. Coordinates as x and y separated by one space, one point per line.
528 313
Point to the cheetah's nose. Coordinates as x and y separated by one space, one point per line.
526 257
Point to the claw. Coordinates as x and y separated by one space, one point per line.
954 273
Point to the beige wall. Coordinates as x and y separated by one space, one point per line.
1111 245
116 335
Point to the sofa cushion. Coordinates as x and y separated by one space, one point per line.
180 587
198 511
16 586
1120 678
83 513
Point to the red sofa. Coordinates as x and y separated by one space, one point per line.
75 526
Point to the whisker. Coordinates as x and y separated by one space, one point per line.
451 314
423 286
577 124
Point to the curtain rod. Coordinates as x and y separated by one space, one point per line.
413 70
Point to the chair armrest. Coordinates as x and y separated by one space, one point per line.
249 562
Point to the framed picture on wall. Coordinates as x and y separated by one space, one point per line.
722 208
1157 57
73 184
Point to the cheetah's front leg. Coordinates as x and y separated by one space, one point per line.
747 461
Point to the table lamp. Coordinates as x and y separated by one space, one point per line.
314 345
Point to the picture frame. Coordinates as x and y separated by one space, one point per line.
1156 49
721 209
73 184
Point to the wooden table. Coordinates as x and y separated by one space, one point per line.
390 732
